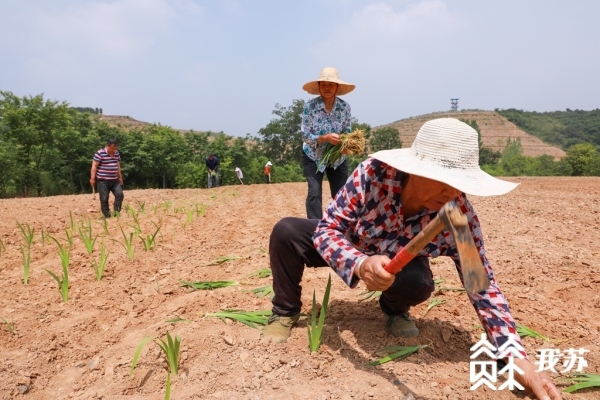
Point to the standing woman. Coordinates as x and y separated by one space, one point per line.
323 120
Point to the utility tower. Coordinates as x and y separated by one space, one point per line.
454 104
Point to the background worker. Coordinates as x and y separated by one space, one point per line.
323 119
267 172
212 164
387 201
106 173
239 174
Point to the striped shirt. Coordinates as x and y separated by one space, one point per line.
108 166
366 218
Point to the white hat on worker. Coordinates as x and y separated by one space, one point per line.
447 150
268 163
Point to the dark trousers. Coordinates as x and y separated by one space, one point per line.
104 188
291 248
267 179
314 200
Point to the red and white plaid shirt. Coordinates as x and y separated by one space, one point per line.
366 218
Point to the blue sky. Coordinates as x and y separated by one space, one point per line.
222 65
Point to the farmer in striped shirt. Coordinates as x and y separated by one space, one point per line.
106 172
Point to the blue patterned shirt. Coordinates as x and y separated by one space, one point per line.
366 218
316 122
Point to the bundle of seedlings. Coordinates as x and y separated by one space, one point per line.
351 143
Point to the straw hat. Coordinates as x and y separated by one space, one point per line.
447 150
329 74
268 164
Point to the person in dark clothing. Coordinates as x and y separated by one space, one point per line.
106 172
212 164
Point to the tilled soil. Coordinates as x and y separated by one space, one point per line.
542 241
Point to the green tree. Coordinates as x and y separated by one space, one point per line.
33 125
384 139
281 139
582 159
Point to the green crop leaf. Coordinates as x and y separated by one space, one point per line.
315 329
434 302
9 326
249 318
584 381
178 319
208 285
525 331
399 352
369 294
223 260
264 291
137 353
262 273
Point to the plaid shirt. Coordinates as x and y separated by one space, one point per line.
366 218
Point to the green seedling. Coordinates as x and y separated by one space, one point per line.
150 240
171 350
26 263
262 250
127 244
9 326
438 281
245 317
27 232
166 205
525 331
264 291
262 273
190 215
69 238
223 260
129 210
154 208
85 233
399 352
99 265
584 381
315 329
434 302
178 319
72 226
208 285
369 294
200 209
63 283
105 225
141 206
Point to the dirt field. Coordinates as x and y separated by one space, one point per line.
542 240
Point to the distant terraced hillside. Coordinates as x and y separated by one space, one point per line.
127 122
495 130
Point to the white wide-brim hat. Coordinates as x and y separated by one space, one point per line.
329 74
447 150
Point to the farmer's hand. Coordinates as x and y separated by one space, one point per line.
332 138
536 381
374 275
92 181
121 181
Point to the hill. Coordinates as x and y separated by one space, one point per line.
495 130
127 122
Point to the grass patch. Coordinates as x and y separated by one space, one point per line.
208 285
315 329
249 318
398 352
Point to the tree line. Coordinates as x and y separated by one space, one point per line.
46 148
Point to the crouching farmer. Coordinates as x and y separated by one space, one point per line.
387 201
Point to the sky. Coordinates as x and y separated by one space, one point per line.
223 65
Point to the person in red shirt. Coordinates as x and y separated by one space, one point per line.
268 172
